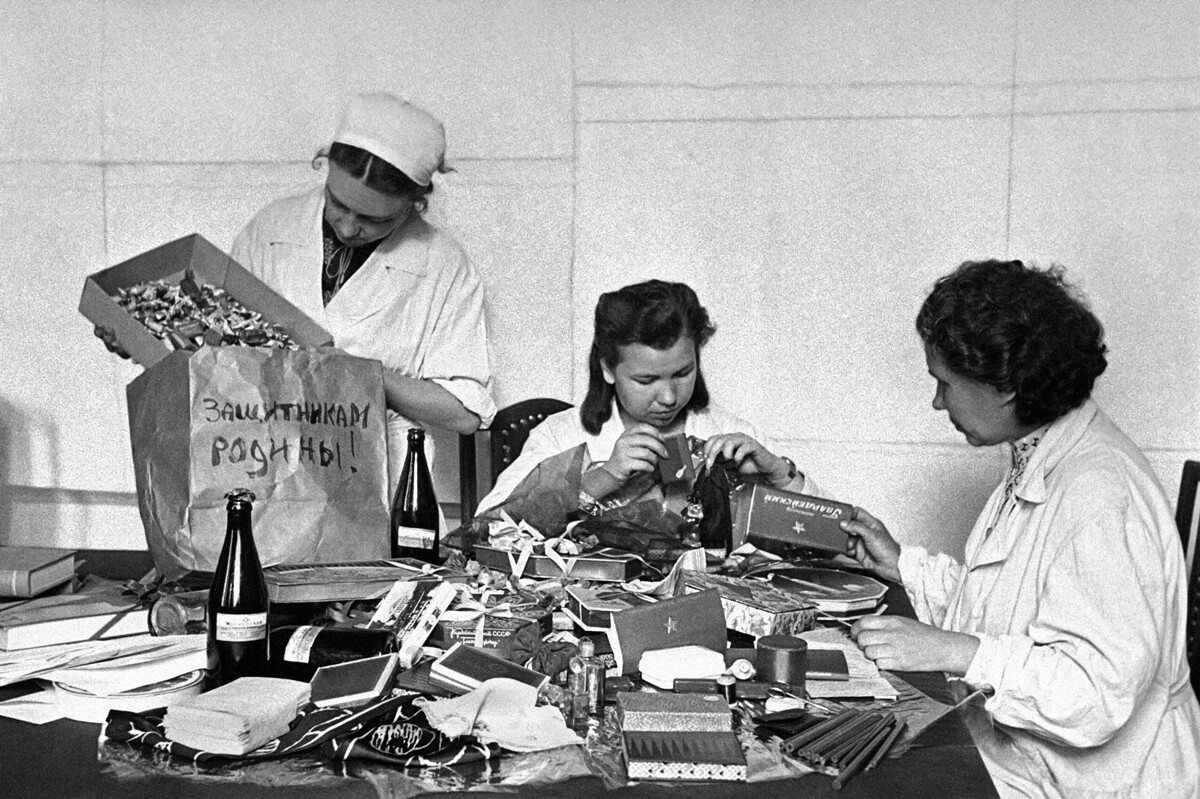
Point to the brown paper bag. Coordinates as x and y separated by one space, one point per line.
305 430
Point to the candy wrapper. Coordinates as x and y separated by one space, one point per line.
186 293
192 313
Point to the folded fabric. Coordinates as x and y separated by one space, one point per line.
662 667
392 730
504 712
238 717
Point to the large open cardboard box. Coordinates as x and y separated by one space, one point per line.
169 262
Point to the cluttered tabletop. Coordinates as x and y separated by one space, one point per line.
396 678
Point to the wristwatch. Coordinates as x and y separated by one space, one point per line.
792 470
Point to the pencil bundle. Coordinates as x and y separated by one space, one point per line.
850 742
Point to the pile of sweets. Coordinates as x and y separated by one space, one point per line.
190 314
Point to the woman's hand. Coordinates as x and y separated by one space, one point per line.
751 457
637 450
109 338
872 545
897 643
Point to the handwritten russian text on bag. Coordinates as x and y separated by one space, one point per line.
304 430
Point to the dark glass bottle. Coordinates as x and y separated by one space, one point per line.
298 650
237 602
414 508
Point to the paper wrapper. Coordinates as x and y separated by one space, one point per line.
304 430
548 500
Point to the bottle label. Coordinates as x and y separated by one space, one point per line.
241 626
299 646
414 537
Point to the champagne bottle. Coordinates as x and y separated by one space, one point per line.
414 508
298 650
237 601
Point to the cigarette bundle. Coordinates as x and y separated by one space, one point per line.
850 742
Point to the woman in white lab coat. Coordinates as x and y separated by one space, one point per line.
1065 622
357 257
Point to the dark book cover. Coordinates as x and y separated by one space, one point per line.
29 571
826 664
355 681
464 668
696 619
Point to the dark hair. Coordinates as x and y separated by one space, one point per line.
1019 329
374 172
654 313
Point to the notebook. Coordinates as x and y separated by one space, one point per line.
354 682
464 668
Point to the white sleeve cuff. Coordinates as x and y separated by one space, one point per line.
474 397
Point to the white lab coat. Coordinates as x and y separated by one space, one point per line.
1078 597
416 304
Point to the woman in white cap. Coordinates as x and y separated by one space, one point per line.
356 255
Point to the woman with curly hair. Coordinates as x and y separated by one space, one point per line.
1064 625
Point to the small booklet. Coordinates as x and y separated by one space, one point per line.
464 668
354 682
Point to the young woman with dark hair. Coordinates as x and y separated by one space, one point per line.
1067 616
644 385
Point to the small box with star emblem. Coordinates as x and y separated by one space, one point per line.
696 619
786 523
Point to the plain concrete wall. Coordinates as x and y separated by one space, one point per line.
810 167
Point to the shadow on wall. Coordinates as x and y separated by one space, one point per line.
17 441
952 493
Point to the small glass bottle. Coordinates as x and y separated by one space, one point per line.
180 614
577 702
592 669
415 519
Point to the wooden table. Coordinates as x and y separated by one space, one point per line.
60 759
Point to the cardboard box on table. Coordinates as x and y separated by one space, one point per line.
169 262
756 608
787 523
305 429
510 637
